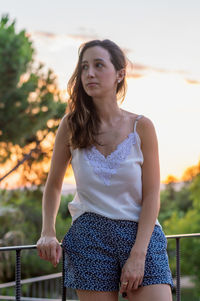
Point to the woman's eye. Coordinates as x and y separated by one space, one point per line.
84 67
99 65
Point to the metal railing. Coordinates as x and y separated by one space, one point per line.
178 267
41 286
18 281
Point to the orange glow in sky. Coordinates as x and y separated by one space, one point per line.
159 37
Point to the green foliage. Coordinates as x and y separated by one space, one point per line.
195 192
174 201
25 104
29 99
22 211
15 54
9 217
181 215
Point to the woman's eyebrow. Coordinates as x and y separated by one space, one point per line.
97 59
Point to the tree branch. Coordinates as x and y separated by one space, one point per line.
26 157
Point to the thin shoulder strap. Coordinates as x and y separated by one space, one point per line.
136 120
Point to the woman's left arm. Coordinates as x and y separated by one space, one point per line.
150 185
133 270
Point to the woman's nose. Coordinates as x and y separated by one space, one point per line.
90 72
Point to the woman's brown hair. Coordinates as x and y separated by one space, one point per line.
82 118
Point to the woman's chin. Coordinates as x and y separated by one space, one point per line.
92 93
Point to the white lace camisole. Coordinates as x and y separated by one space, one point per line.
110 186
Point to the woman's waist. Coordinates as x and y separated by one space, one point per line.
111 208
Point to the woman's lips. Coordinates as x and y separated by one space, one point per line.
92 84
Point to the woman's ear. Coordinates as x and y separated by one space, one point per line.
121 74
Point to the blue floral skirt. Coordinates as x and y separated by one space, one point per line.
97 247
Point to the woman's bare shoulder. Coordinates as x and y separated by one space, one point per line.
62 135
64 125
145 126
146 131
144 121
64 120
132 115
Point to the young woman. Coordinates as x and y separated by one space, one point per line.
115 243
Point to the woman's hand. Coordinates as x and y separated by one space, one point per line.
49 249
132 272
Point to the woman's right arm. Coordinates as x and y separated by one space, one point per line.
48 246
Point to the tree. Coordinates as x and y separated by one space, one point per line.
185 218
31 105
191 172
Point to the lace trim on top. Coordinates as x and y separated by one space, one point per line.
105 167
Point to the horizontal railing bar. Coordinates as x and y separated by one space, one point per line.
14 248
183 235
29 299
25 247
34 279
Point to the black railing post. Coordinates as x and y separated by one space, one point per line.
178 273
18 276
63 276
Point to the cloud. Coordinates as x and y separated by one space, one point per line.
136 70
83 36
54 43
49 35
57 43
192 81
134 75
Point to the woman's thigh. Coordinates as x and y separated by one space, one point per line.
156 292
85 295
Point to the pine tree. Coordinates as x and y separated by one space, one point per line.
31 105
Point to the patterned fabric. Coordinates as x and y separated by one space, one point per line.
105 167
96 248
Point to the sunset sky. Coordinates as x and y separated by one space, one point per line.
161 38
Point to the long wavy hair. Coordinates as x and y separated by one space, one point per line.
82 117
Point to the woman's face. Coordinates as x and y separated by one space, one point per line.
98 75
